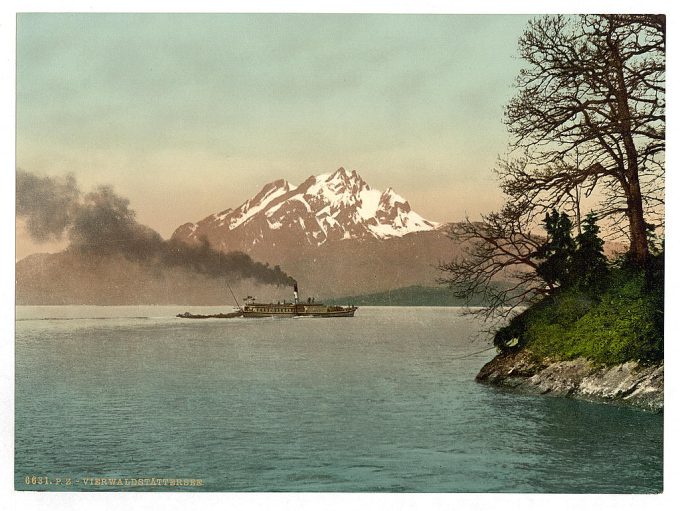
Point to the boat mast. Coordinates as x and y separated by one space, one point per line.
234 297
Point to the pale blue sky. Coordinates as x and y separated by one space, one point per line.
189 114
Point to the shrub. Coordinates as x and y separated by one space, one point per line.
624 322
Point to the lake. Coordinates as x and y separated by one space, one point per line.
382 402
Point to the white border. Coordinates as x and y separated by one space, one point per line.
298 501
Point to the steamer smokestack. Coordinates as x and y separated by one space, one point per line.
295 293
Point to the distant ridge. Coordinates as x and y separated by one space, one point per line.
413 296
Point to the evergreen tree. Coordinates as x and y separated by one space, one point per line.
589 264
592 91
557 253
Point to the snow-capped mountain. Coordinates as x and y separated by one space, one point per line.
324 208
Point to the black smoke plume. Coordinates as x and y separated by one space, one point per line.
47 203
102 223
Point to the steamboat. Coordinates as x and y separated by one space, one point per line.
253 309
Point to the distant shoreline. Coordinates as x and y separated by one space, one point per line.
411 296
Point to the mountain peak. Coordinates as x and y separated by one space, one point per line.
280 183
326 207
341 181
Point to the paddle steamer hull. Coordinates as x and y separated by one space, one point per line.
272 310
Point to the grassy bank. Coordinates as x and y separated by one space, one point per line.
621 321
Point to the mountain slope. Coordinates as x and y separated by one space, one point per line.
333 233
323 208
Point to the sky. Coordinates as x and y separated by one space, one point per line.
188 114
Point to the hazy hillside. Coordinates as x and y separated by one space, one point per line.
406 296
71 277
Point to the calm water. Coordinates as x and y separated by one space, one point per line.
380 402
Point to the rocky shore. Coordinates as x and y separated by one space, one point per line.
630 383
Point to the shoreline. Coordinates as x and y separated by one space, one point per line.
630 383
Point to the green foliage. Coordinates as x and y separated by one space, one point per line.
558 250
589 264
556 313
567 262
624 322
656 242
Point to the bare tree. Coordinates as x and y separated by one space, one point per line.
594 87
588 120
499 261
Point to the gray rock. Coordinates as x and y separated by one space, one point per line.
630 383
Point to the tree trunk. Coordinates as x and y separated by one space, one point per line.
639 247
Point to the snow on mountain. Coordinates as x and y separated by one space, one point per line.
334 206
253 206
